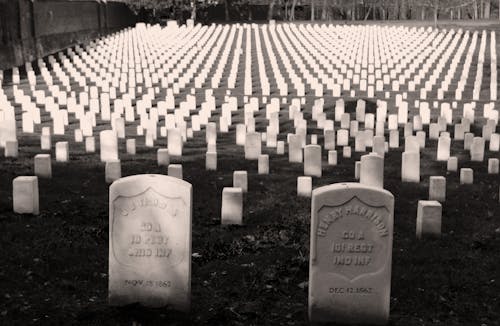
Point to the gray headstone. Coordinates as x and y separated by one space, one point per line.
150 241
351 254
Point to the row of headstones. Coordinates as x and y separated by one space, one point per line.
157 207
350 248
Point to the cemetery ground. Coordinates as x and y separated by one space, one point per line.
53 267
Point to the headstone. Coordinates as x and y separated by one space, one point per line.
466 176
429 218
312 160
211 161
351 254
174 142
25 195
109 145
452 164
90 144
493 166
295 149
477 149
11 148
372 170
410 167
332 157
43 166
437 188
304 186
130 144
150 241
263 164
253 145
240 180
175 171
62 150
232 206
113 171
162 157
357 169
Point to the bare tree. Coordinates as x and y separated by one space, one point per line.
292 10
312 10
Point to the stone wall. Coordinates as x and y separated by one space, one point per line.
33 29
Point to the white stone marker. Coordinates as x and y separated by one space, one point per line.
295 149
211 161
174 142
263 164
62 150
150 241
175 171
312 160
90 144
493 166
437 188
372 170
253 145
43 166
130 144
280 147
466 176
410 167
108 145
452 164
11 148
240 180
351 254
113 170
304 186
162 157
429 218
25 195
357 169
232 206
332 157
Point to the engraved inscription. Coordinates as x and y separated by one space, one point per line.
144 229
352 237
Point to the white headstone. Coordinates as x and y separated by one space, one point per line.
351 254
150 241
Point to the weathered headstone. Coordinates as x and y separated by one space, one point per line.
162 157
372 170
351 254
466 176
232 206
150 241
304 186
312 160
113 171
43 166
429 218
25 195
175 170
437 188
240 180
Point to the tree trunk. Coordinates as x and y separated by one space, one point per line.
436 10
292 10
487 9
403 10
193 10
226 10
423 13
270 11
474 5
323 11
312 10
353 11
